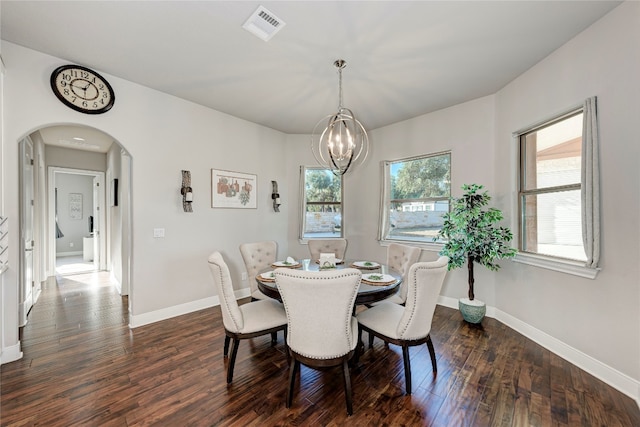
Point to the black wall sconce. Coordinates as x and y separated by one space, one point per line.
186 191
275 196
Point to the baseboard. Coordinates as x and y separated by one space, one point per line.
64 254
10 354
179 310
603 372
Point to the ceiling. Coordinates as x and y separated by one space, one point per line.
404 59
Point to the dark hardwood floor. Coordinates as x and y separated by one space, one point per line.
82 365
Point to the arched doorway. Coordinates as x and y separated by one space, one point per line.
80 150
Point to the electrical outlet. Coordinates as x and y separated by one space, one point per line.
244 275
158 232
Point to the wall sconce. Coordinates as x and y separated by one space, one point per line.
275 196
186 191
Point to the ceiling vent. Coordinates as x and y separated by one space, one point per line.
263 24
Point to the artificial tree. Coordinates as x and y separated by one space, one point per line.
472 234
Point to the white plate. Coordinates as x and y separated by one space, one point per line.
268 275
285 264
366 264
386 278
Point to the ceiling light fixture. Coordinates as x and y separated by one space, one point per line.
344 141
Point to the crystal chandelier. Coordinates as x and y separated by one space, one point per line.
343 141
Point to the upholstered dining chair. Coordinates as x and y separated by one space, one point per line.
409 325
332 246
321 331
257 256
400 258
245 321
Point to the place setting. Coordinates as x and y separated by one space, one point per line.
378 279
365 265
288 263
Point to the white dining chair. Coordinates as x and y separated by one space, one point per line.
400 258
409 325
331 246
245 321
322 331
258 256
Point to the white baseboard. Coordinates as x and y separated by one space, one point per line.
10 354
179 310
64 254
603 372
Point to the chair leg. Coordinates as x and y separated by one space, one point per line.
347 386
274 338
232 360
371 337
407 367
293 368
432 352
226 345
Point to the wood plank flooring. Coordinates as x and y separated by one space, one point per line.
83 366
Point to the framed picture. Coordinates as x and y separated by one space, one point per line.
233 189
75 205
114 192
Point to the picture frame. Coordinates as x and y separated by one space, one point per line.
114 192
235 190
75 205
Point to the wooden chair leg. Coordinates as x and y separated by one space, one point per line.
293 368
232 360
407 367
432 352
371 337
274 338
226 345
347 386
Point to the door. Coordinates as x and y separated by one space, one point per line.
96 232
25 294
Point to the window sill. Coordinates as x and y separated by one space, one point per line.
575 268
433 247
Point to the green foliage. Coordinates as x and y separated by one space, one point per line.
422 178
472 234
321 186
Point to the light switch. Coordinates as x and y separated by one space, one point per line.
158 232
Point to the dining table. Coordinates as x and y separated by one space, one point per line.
379 281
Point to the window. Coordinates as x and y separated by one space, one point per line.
321 203
416 194
550 188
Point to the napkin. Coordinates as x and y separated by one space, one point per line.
290 260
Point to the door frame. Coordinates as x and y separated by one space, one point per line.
102 225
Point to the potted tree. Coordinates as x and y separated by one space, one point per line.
472 235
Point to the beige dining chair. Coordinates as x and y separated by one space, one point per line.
258 256
409 325
321 331
245 321
400 258
332 246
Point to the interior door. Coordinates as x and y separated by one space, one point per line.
26 230
96 223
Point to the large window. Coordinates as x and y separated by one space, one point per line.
321 203
416 194
550 188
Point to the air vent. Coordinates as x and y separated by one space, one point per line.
263 24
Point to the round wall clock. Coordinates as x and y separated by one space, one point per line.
82 89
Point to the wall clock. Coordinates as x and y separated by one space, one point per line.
82 89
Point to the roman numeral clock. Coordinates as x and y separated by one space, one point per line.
82 89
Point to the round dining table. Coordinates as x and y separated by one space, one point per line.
367 293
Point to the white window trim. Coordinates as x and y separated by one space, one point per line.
301 209
576 268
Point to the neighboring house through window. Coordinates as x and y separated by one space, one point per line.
321 203
415 195
559 190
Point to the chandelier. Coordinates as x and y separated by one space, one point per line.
339 141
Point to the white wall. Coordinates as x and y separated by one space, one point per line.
163 135
600 317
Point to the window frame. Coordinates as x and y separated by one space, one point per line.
550 262
385 203
303 204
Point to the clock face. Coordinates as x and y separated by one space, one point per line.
82 89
